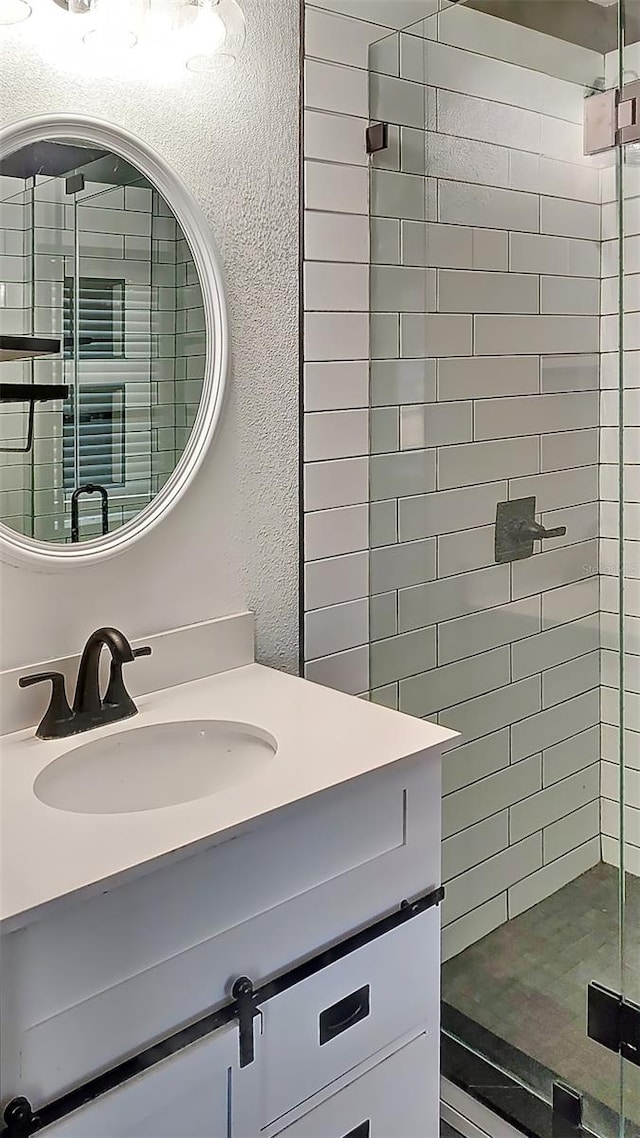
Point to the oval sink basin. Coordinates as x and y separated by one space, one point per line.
146 768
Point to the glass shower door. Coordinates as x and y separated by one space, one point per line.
621 780
491 434
92 281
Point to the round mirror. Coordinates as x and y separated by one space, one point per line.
113 339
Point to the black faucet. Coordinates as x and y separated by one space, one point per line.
89 709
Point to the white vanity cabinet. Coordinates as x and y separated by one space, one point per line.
315 904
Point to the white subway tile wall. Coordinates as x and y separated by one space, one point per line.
484 336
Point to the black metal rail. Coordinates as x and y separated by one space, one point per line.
32 392
21 1120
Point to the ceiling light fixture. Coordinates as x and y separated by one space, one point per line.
14 11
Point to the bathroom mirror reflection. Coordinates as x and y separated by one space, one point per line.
95 260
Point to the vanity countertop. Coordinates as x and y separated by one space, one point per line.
324 738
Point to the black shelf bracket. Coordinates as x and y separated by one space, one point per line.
30 393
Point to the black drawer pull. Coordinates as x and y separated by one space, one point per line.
347 1012
361 1131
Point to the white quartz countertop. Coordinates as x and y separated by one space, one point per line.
324 738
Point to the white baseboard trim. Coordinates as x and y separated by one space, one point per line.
469 1117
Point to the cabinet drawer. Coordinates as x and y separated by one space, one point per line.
337 1018
398 1097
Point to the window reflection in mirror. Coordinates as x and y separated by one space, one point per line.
93 255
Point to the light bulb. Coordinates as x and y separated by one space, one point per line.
77 7
216 61
14 11
112 34
110 41
201 26
216 51
161 21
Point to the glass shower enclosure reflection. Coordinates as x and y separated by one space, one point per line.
96 259
503 599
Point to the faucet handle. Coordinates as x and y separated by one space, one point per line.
116 694
58 713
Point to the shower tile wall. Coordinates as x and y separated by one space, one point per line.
609 517
484 385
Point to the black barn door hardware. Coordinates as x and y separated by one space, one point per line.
243 993
20 1121
614 1022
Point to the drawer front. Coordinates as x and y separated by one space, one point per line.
333 1021
398 1097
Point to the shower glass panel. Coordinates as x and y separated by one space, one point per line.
497 461
120 306
621 760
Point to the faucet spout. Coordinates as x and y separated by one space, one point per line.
87 699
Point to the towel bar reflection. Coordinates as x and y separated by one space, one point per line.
89 488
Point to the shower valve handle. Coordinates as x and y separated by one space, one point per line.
533 531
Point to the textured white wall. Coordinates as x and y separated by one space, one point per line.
232 541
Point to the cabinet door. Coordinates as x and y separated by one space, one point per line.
399 1097
187 1096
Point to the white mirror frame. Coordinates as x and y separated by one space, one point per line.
19 550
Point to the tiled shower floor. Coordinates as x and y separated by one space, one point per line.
526 982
